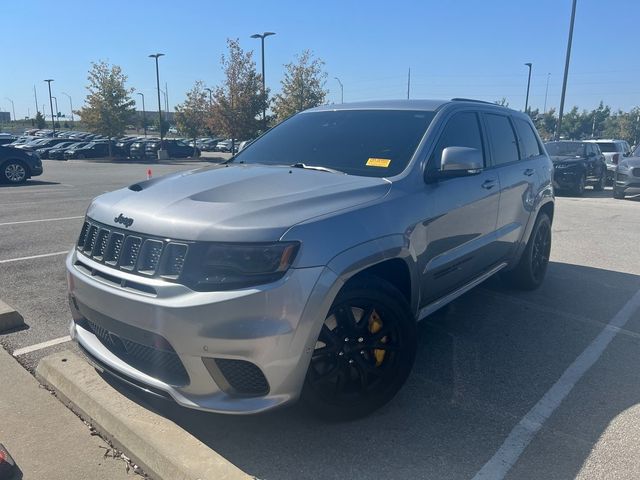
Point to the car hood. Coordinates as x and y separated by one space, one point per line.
234 203
566 158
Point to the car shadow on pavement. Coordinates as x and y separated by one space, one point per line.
28 183
482 363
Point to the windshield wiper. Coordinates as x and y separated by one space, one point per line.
314 167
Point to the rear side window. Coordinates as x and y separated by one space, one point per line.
607 147
528 142
504 146
463 130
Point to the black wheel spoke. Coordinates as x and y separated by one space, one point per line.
363 324
328 336
346 320
322 353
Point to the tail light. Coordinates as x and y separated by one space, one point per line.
615 158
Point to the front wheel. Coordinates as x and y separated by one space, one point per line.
14 172
617 193
364 353
532 267
602 182
578 190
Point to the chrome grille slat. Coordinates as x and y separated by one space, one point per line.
132 252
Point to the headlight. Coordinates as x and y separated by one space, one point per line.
229 266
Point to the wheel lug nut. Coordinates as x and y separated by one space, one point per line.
361 352
350 361
341 354
360 339
346 339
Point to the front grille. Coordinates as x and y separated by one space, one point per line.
132 252
636 172
164 365
244 377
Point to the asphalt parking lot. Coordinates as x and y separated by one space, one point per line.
492 367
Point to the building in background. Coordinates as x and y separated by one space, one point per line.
5 117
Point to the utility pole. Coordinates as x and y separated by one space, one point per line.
13 108
70 105
166 102
53 120
566 69
546 92
35 95
409 83
341 90
144 115
526 102
161 152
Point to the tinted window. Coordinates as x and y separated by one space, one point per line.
463 130
576 149
373 143
528 141
504 146
608 147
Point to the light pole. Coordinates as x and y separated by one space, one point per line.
144 115
341 90
70 105
210 95
35 95
566 69
156 56
264 90
526 102
13 108
55 100
546 92
53 120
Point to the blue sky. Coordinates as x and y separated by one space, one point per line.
464 48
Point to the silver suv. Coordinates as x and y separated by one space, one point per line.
300 267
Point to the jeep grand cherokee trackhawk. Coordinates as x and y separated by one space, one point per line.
300 267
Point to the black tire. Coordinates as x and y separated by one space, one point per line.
347 377
14 172
578 189
618 194
602 182
532 267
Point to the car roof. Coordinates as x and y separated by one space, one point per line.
423 105
604 140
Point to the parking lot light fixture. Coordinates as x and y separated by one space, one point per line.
53 120
210 95
526 102
70 105
55 100
341 90
156 56
566 71
144 115
262 36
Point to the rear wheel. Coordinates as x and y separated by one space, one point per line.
532 267
14 172
364 352
617 193
578 190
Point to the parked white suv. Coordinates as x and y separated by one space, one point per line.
613 151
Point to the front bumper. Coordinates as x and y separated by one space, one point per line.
566 178
274 327
628 181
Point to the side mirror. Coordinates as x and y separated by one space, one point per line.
458 162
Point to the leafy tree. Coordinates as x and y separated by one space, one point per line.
109 107
40 121
302 86
237 103
502 102
192 114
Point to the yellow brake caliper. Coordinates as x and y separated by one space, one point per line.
375 324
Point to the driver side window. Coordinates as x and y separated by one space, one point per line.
462 130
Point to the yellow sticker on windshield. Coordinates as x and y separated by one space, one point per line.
378 162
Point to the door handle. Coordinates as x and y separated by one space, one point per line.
529 171
488 184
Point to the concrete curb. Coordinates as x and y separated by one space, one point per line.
9 318
163 449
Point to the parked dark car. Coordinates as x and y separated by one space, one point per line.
90 150
48 142
175 149
44 152
16 165
5 139
577 164
137 148
57 153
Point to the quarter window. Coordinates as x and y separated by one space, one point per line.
504 146
463 130
528 141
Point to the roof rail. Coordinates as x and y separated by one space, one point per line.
471 100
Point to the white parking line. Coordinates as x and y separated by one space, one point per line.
41 220
522 434
40 346
34 256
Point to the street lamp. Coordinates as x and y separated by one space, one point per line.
264 90
526 102
341 90
546 92
566 69
144 115
70 105
161 152
53 120
55 100
13 108
210 95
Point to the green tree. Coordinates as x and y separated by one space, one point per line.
502 102
40 121
191 115
237 103
303 86
109 107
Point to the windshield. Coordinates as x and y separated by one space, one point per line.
372 143
574 149
608 146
